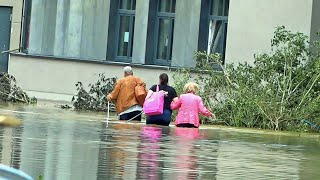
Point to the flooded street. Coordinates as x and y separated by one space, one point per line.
64 144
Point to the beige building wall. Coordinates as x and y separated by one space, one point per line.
55 79
16 21
251 25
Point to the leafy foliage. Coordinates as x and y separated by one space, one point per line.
94 99
10 92
278 91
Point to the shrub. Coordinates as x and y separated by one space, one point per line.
10 92
278 91
94 99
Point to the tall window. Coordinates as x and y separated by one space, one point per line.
126 19
218 21
164 31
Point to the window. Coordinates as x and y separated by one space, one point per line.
218 21
213 26
126 19
164 32
26 26
69 28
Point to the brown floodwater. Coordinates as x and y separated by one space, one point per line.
65 144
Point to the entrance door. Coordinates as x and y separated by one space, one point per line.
5 32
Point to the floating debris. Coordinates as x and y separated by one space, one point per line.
65 106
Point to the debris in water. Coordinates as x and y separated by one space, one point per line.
10 92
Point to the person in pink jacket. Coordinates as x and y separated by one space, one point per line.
189 105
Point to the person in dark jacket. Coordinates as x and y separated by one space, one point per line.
170 93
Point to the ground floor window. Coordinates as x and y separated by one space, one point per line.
121 30
165 27
125 39
161 19
213 27
125 29
217 36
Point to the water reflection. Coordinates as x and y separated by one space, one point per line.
117 151
62 144
149 156
187 160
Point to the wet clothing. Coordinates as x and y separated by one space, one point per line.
186 125
136 115
165 118
162 119
124 93
189 106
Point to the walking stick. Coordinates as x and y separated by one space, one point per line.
108 113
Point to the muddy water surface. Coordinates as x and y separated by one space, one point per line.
64 144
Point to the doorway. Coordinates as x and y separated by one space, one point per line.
5 32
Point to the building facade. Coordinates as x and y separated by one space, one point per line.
61 42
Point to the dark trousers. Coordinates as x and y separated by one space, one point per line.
186 125
130 115
163 119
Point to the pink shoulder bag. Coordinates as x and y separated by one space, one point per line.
154 104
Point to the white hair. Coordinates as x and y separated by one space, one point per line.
128 70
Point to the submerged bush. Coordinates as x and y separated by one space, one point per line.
279 91
94 99
10 92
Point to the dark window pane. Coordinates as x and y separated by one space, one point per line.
226 8
171 40
163 38
134 5
216 38
132 36
216 7
225 39
173 6
164 5
125 4
124 35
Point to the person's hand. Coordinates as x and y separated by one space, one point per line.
109 97
164 92
175 99
213 116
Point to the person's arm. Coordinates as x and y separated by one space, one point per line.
175 104
151 90
114 94
140 82
203 109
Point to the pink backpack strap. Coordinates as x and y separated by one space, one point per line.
157 88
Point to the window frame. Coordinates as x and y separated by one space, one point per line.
224 19
164 15
25 30
224 24
129 13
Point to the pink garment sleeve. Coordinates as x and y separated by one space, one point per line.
175 104
203 109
